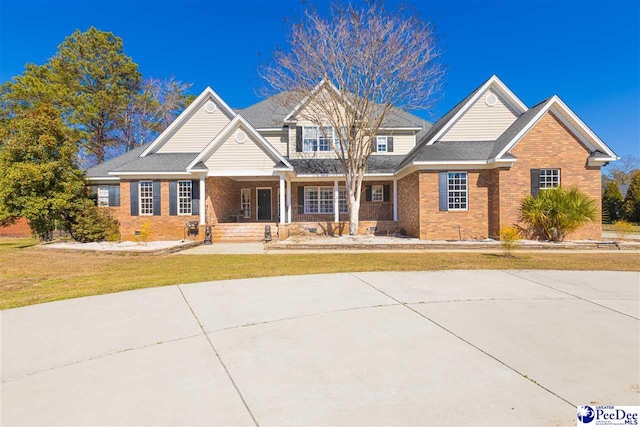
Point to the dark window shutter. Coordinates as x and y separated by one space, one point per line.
114 195
195 197
133 195
156 198
386 192
173 198
301 199
374 144
535 182
299 139
367 193
390 144
443 191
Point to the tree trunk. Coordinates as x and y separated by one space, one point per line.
354 213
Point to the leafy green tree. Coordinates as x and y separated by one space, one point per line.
38 177
612 201
631 205
556 213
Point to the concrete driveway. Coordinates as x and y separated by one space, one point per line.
419 348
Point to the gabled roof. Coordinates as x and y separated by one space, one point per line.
567 117
226 131
323 83
206 94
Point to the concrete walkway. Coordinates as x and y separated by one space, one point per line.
402 348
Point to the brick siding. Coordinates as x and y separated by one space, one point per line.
18 229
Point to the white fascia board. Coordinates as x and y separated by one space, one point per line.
272 130
226 131
101 178
242 172
401 128
149 173
186 114
493 81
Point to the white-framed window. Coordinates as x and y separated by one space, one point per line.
103 195
184 197
343 205
245 202
549 178
314 139
457 190
318 200
146 198
377 193
381 144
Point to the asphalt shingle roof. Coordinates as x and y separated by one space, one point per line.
270 113
165 162
102 170
376 164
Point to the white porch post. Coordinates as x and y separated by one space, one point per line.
203 200
395 199
282 206
336 202
289 202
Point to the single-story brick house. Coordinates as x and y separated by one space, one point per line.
463 176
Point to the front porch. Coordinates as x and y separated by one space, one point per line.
238 208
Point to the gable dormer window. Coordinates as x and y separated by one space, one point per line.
316 139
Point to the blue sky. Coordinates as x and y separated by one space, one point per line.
587 52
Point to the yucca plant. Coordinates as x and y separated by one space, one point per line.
556 213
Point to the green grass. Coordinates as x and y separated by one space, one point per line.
611 227
30 275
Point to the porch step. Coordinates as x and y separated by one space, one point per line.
239 232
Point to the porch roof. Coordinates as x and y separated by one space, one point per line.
158 162
377 164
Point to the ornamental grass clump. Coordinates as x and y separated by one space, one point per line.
555 213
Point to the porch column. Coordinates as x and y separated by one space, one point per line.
395 199
289 202
203 200
336 202
282 206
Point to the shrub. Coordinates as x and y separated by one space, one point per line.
632 200
93 224
509 237
145 232
555 213
622 228
612 201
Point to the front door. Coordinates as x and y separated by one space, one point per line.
264 204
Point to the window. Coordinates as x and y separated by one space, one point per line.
381 144
245 202
314 139
103 195
318 200
377 193
146 197
457 191
184 197
343 206
549 178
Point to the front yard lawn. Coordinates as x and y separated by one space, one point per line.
30 276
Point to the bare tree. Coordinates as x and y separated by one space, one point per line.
622 170
369 60
151 111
